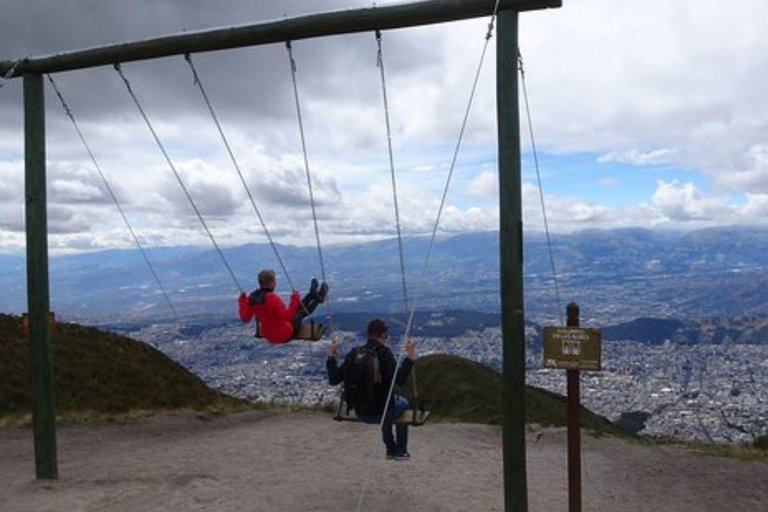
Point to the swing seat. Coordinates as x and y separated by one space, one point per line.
309 331
414 417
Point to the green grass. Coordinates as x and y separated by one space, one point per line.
457 389
743 451
99 375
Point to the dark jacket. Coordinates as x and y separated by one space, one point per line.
387 367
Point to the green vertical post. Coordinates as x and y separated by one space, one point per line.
511 263
43 412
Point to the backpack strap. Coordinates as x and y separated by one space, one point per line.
376 368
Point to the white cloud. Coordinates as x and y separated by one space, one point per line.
73 191
673 205
457 220
11 182
14 241
684 89
483 185
683 201
11 219
756 206
692 95
639 158
749 171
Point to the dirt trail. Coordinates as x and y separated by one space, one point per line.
271 462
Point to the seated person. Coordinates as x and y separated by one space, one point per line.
378 334
279 324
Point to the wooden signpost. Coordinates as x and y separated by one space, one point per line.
573 348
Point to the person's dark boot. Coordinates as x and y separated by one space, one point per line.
313 287
322 293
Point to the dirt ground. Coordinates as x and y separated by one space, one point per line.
270 461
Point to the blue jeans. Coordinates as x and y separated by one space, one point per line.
395 443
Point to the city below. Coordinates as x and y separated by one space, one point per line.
702 392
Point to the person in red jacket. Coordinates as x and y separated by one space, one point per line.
279 324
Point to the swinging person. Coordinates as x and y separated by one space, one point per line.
279 324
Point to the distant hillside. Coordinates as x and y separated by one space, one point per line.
745 330
99 374
645 330
458 389
614 275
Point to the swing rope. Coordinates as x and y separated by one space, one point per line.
420 286
178 177
294 81
432 240
380 65
390 391
111 193
224 139
521 68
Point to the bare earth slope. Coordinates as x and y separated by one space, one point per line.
267 461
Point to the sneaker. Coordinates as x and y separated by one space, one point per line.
322 293
313 287
398 455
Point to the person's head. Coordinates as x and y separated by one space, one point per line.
267 279
377 329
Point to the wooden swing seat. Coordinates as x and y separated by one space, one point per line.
310 331
415 417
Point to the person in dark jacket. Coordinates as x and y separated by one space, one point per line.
279 324
378 333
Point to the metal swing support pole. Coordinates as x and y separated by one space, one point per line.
511 264
38 301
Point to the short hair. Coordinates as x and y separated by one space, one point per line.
376 328
266 277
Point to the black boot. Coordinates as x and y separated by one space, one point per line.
322 293
313 287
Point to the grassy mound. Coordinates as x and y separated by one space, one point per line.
456 389
99 375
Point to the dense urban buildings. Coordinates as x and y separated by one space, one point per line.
695 392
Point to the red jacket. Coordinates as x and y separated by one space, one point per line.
271 313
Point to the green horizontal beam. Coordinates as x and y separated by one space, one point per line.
288 29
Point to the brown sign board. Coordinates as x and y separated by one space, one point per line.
572 348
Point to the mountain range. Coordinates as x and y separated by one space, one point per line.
616 276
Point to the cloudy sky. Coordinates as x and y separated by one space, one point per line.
650 114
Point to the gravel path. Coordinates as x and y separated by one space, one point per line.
281 461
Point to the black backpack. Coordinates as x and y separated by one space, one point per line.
362 377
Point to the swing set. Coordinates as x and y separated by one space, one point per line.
375 19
